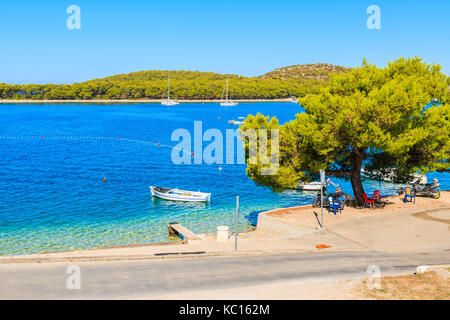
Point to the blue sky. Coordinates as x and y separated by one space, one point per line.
243 37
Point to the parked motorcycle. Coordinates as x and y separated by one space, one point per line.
429 190
316 202
326 203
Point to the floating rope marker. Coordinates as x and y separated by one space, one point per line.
84 138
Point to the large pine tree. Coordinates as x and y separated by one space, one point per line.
395 117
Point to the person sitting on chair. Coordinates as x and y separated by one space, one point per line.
337 194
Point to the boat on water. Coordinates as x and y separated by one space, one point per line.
179 195
389 176
309 186
293 99
168 101
227 102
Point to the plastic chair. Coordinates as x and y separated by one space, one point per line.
334 205
376 195
368 201
410 194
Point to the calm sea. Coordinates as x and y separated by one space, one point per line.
52 196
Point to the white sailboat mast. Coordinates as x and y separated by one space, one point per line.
226 97
168 88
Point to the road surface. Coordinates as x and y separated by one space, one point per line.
155 278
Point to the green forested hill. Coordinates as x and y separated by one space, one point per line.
318 71
153 75
184 85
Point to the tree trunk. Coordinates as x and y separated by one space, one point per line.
355 178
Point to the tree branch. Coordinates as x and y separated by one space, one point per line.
338 173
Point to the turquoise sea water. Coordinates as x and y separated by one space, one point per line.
52 196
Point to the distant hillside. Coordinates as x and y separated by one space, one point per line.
318 72
187 85
315 72
154 75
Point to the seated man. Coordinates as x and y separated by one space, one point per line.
337 194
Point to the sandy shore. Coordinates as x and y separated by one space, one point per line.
127 101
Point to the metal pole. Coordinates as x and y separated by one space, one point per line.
322 183
236 224
321 205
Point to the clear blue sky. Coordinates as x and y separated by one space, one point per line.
243 37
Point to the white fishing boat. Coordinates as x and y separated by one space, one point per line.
168 101
309 186
389 176
179 195
227 102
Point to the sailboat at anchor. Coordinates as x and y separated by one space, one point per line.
168 101
227 102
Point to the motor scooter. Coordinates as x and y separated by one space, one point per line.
429 190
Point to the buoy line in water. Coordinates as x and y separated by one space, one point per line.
94 138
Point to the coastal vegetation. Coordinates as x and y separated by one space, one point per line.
318 72
396 117
189 85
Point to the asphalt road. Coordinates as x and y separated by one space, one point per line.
157 277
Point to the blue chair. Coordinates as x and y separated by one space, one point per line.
410 194
334 205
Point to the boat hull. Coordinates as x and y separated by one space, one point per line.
228 104
180 195
170 103
236 122
309 186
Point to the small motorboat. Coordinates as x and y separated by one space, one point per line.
293 99
179 195
236 122
309 186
